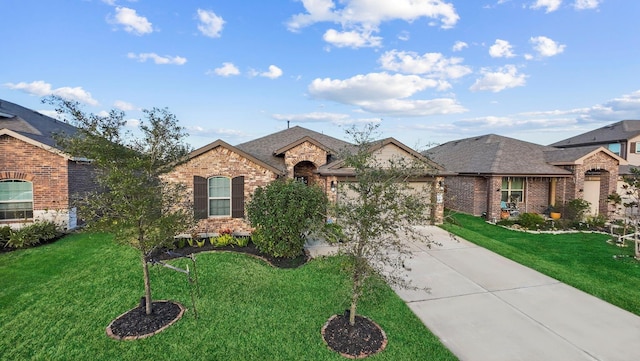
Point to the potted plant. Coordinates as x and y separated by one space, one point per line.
554 213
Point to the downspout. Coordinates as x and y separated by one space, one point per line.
552 191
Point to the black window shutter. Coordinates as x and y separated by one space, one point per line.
200 197
237 197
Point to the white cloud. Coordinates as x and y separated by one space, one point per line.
404 36
459 45
431 64
505 77
546 47
122 105
210 24
586 4
227 69
353 39
365 16
41 88
131 21
273 73
549 5
132 123
501 49
163 60
384 93
322 117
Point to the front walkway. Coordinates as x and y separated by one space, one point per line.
483 306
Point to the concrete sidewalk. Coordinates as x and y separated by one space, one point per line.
483 306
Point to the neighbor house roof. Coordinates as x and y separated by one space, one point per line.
494 154
31 124
577 155
612 133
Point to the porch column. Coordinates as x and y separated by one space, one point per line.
552 191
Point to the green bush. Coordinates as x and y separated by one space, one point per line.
5 233
531 220
32 234
241 241
575 209
222 240
282 212
333 233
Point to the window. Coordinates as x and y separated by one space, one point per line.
16 199
219 196
512 189
615 148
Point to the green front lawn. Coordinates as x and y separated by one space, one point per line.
583 260
56 301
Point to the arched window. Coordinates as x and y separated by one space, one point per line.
16 199
219 196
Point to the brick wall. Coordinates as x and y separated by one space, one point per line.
46 170
221 161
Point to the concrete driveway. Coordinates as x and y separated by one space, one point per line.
483 306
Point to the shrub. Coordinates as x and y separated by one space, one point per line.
333 233
223 240
5 233
32 234
241 241
575 209
282 212
531 220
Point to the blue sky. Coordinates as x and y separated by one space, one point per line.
428 71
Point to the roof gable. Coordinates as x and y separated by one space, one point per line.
269 148
382 150
28 140
221 143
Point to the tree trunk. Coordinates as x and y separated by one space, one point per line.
147 285
355 295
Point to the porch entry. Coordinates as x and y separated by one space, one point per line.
591 191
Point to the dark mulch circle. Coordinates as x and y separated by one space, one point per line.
363 339
136 324
249 249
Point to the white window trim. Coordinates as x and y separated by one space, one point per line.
209 199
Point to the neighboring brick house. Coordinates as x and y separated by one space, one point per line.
221 178
495 173
37 179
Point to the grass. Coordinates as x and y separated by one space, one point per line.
583 260
56 301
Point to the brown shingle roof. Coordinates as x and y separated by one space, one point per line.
494 154
264 148
32 124
611 133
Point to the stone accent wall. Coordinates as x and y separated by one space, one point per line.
222 162
46 170
304 152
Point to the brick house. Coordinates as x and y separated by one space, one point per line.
496 173
220 177
37 179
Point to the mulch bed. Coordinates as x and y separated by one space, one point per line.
363 339
136 324
250 249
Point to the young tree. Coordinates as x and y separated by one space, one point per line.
132 200
376 211
630 200
282 212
